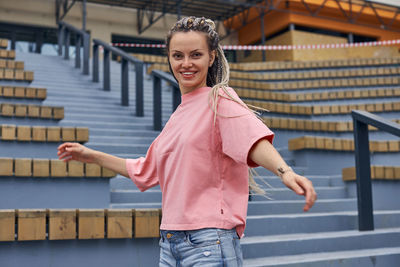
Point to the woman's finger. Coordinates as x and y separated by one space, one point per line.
310 195
297 188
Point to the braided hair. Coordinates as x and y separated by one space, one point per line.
218 72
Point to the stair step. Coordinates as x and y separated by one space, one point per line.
296 206
302 222
119 148
297 244
378 257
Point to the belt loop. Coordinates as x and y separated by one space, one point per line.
187 235
162 236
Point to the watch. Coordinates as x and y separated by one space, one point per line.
282 171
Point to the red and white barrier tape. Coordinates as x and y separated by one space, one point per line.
277 47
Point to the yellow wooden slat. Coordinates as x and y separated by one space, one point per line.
82 134
91 223
92 170
53 134
31 224
349 174
68 134
147 223
33 111
24 133
23 167
39 133
62 224
8 132
7 225
58 168
21 110
75 169
41 168
119 223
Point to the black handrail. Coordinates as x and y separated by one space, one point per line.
64 36
361 120
176 96
125 59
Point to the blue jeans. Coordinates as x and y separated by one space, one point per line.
208 247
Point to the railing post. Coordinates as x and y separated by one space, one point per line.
78 51
124 82
176 97
67 39
157 118
363 172
95 71
60 38
86 52
139 89
106 70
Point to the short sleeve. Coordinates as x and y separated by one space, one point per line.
143 171
239 129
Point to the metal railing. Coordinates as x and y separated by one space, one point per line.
125 60
158 76
361 120
82 38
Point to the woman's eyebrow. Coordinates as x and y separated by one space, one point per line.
196 50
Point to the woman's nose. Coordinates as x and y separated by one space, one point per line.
187 63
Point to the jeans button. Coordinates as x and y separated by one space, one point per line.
169 235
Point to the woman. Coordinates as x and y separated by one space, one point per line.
201 157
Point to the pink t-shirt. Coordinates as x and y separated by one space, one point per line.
202 167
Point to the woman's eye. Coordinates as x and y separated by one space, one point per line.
197 55
177 56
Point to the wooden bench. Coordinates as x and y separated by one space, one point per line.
339 144
3 43
311 125
157 66
312 74
31 111
295 65
26 167
317 96
7 54
151 58
315 84
323 109
43 133
377 173
23 92
67 224
11 64
18 75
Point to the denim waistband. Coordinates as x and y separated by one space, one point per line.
178 236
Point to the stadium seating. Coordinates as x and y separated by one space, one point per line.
309 103
30 129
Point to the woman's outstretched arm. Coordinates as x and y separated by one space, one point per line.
78 152
264 154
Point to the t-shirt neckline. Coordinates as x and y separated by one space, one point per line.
186 97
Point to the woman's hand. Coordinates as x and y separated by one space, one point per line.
76 151
264 154
301 186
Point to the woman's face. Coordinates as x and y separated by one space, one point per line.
190 58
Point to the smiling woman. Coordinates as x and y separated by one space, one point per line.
201 157
190 59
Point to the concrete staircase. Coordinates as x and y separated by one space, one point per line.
278 232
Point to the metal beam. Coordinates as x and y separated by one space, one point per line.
84 15
66 8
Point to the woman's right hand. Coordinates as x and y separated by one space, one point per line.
75 151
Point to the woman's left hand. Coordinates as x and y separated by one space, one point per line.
301 186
